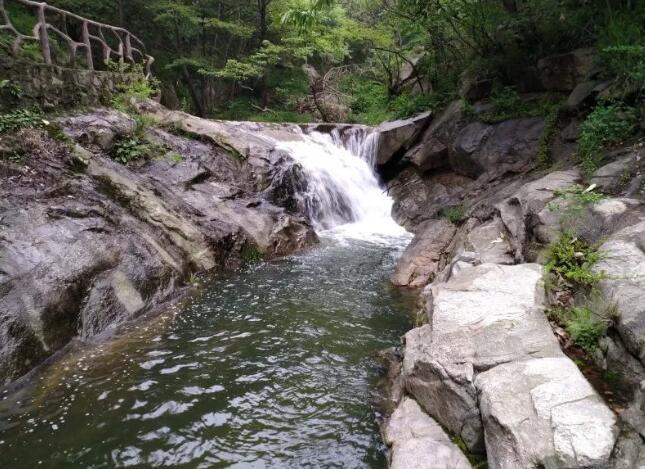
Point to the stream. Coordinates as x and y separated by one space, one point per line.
273 365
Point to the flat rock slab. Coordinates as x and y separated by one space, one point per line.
482 317
544 413
417 441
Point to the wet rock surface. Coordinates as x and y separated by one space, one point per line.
88 243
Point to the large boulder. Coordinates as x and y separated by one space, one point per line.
426 254
544 413
623 264
417 441
529 201
396 137
494 149
482 317
563 72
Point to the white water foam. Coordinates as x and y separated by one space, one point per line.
343 188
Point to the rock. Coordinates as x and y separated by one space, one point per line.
101 128
425 256
429 155
571 132
482 317
580 95
529 201
563 72
495 149
623 262
88 243
417 441
616 176
397 136
544 413
490 242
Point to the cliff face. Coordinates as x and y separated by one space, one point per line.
87 243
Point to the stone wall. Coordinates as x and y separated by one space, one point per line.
54 87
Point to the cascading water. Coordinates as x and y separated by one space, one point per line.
343 195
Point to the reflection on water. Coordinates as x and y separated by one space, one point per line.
272 366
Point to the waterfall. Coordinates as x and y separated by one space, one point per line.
343 195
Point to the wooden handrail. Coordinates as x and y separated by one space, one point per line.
91 31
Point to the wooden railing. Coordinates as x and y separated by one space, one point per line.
116 44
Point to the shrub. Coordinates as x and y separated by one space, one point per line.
21 119
128 149
571 259
607 124
582 324
250 253
627 64
544 145
455 214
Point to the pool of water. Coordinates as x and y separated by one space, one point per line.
270 366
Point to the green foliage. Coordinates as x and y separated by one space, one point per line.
584 327
137 85
571 260
21 119
250 253
627 64
129 149
455 214
10 88
607 124
544 145
508 104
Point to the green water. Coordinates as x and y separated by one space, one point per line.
271 366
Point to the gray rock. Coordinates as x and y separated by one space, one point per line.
529 201
397 136
563 72
426 254
417 441
616 176
544 413
82 252
482 317
623 262
490 242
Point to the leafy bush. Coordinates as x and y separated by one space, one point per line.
573 202
607 124
571 259
627 64
21 119
138 86
250 253
129 149
544 145
508 104
582 324
455 214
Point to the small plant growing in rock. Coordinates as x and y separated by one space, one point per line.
128 149
607 124
571 260
572 203
583 325
455 214
250 253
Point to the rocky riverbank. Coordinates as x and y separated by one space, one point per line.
87 243
489 361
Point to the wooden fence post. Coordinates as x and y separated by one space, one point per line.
43 35
88 46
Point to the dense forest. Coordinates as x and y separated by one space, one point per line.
366 60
